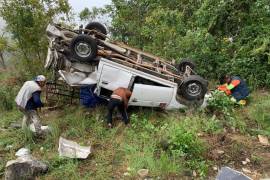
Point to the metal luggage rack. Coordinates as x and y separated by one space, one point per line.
129 56
142 61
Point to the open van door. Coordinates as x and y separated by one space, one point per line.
112 78
151 96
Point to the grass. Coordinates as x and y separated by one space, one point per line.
168 144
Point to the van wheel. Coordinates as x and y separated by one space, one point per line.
181 67
98 27
83 48
193 87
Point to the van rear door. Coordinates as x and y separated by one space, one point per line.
112 78
151 96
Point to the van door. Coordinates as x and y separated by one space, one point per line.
112 78
151 96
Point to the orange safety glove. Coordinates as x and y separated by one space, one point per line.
224 89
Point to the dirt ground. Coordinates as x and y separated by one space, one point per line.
244 153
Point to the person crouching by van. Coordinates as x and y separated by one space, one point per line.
28 101
234 86
119 99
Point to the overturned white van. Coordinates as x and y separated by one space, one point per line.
84 57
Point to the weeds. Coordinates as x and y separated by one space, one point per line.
7 96
122 149
260 113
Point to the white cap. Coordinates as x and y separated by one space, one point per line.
40 78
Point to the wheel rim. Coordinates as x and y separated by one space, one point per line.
194 89
83 49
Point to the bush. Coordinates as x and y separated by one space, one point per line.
220 36
184 143
220 104
7 97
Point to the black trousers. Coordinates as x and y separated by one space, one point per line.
113 103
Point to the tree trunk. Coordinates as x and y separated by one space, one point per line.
2 60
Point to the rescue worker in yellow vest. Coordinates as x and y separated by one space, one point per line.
234 86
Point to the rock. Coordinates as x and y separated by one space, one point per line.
247 160
15 125
24 167
3 130
215 168
8 147
263 140
220 152
72 149
226 173
246 170
126 174
23 152
143 173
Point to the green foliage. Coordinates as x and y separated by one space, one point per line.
7 96
184 143
221 103
27 20
221 36
260 114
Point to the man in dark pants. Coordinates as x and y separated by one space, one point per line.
119 99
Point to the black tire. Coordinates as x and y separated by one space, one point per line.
193 87
181 67
83 48
98 27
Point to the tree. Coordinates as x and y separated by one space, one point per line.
27 20
220 36
3 48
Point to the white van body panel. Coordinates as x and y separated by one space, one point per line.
112 75
150 96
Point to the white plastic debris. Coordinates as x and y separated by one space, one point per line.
23 152
72 149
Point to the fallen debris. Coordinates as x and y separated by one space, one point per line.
72 149
24 167
263 140
226 173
